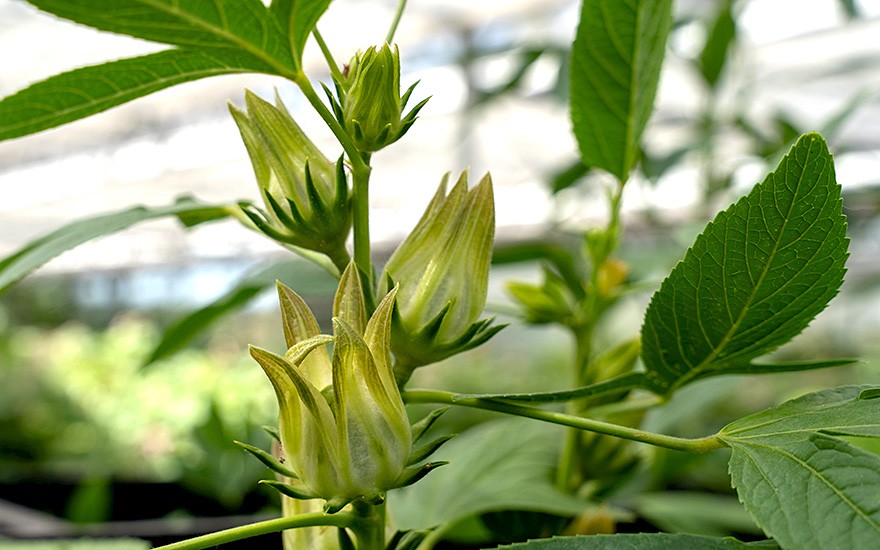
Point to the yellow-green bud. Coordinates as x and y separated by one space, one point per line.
305 195
442 269
342 422
371 105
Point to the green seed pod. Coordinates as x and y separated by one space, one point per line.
305 195
442 269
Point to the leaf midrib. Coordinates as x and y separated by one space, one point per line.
841 428
226 34
703 365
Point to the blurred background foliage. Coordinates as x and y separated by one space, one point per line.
79 407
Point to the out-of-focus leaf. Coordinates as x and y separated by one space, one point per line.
721 36
696 512
615 66
504 465
186 329
40 251
568 176
640 541
310 280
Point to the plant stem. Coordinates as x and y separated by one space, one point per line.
360 183
370 526
360 176
262 528
700 445
401 5
328 56
566 478
354 155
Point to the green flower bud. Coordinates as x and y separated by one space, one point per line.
370 106
442 269
305 195
342 423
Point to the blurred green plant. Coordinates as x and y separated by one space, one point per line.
753 279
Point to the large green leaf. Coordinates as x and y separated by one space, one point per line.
615 66
501 465
298 19
804 487
40 251
639 541
757 275
83 92
848 410
818 492
241 25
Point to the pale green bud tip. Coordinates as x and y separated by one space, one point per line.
442 268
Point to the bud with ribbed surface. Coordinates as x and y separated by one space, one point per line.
442 269
306 198
342 423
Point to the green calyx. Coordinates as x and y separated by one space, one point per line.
306 197
442 269
352 440
369 104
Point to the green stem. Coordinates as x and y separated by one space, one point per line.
360 176
632 405
354 155
262 528
700 445
370 526
328 56
401 5
567 478
360 183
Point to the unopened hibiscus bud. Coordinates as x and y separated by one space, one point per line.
370 106
350 439
442 269
306 197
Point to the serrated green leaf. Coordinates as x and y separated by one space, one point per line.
40 251
837 411
298 19
815 492
505 465
756 276
242 25
615 66
639 541
83 92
